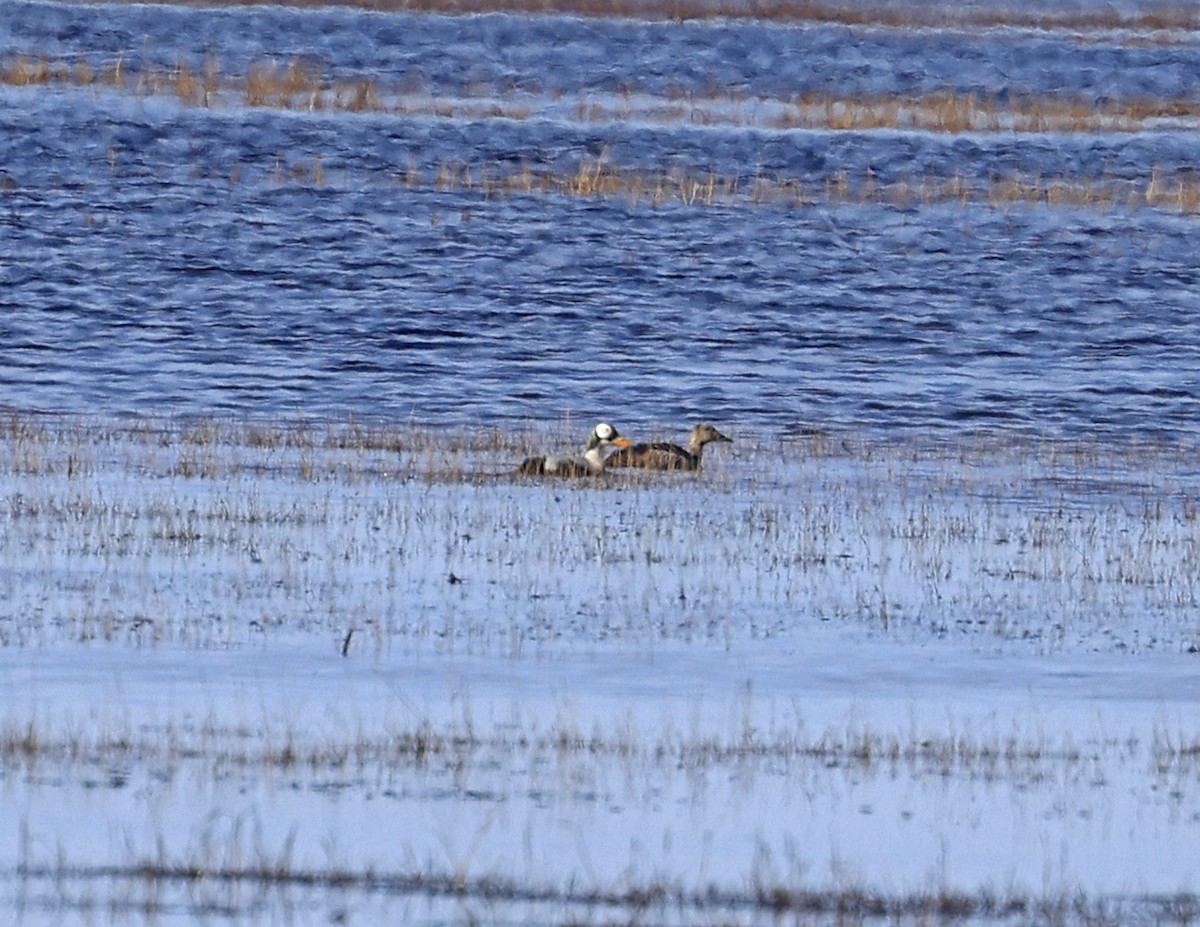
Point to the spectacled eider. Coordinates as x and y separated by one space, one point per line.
591 464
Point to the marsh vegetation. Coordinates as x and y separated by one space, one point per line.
301 646
300 85
357 667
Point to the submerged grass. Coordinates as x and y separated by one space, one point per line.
982 539
650 902
558 767
399 546
300 84
463 747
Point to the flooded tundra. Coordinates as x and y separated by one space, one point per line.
286 295
337 672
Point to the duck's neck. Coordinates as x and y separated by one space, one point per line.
594 456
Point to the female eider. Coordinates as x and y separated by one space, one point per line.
592 464
662 455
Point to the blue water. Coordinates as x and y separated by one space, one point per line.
162 259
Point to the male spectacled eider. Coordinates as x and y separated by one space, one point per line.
592 463
662 455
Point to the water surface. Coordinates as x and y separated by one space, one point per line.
164 258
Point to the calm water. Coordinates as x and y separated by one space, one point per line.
159 258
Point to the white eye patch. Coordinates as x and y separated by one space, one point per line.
605 431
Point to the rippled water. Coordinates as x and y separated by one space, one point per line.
159 257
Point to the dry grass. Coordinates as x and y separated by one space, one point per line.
1159 189
35 444
300 85
1156 21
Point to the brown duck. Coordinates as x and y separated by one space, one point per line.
662 455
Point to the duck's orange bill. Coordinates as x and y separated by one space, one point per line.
622 442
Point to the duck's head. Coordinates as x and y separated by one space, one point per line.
604 435
703 434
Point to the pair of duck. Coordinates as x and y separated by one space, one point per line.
656 455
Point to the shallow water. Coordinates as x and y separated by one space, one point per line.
302 679
165 258
858 660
